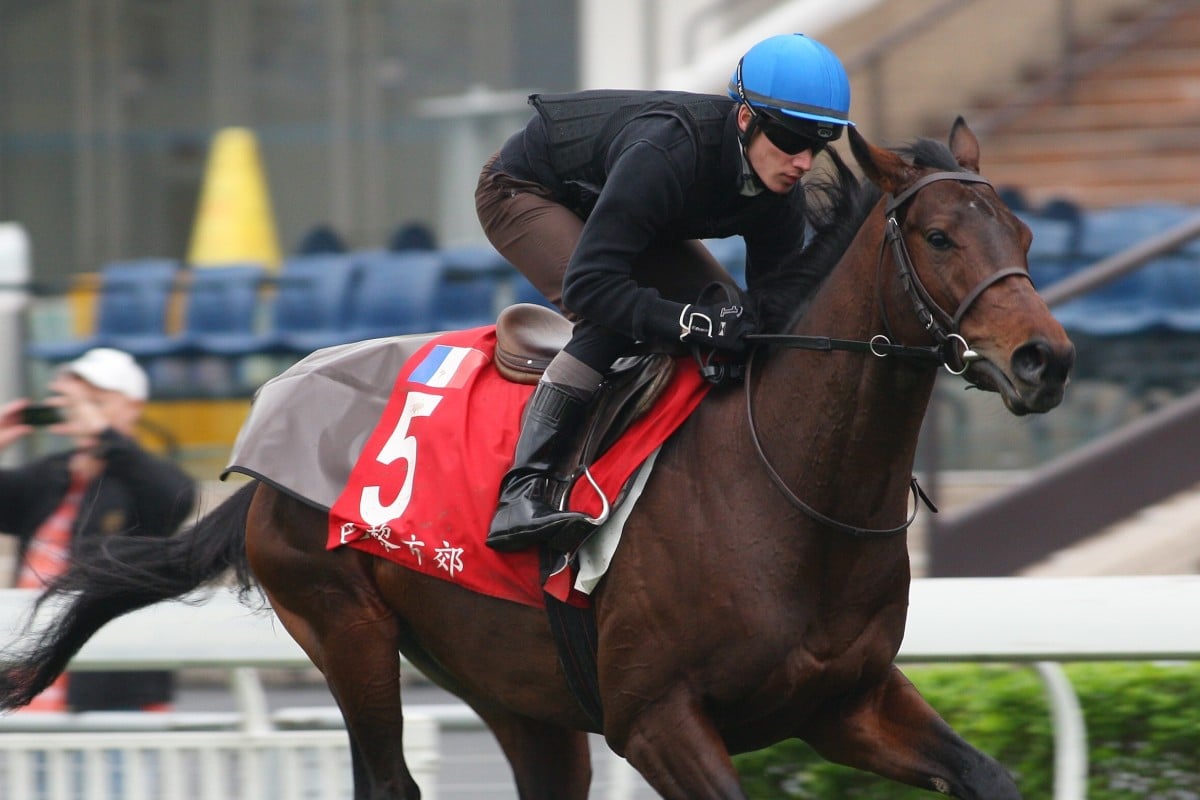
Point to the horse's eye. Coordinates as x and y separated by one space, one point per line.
938 240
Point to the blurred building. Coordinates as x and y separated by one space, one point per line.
107 108
371 114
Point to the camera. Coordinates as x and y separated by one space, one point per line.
41 415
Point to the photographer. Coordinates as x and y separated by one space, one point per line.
104 485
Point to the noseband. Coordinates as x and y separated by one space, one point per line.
942 326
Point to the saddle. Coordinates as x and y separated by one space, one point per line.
528 336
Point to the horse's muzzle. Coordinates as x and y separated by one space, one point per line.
1036 379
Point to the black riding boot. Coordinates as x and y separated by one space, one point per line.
524 516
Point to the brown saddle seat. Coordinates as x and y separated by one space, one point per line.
528 336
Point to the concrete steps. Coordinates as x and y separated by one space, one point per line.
1126 132
1163 539
1161 178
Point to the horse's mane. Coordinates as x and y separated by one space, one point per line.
837 204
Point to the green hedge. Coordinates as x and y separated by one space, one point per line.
1143 726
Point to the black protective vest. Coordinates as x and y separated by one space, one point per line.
581 125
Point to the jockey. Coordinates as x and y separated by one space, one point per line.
601 200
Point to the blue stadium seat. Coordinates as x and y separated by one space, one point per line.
133 298
1123 307
1013 197
1151 298
470 287
730 252
309 309
1070 212
1176 291
1052 255
413 235
1111 230
472 259
464 302
219 302
525 292
394 294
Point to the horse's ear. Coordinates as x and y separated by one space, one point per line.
964 145
885 169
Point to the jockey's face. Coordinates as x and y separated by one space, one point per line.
778 171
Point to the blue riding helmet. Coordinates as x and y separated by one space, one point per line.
797 81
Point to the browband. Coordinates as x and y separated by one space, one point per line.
968 177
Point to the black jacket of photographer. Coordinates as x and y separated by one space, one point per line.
136 493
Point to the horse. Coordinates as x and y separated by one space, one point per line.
760 590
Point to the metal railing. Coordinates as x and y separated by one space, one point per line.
1036 621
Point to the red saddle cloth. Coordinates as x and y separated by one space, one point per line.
424 488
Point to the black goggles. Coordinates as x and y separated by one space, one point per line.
789 140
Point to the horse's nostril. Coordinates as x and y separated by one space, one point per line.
1037 361
1030 360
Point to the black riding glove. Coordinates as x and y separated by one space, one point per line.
720 318
722 325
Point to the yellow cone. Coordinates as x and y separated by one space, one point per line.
234 222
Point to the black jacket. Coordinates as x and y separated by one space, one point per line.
643 167
138 493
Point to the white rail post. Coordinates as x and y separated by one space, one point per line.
252 700
14 296
1070 733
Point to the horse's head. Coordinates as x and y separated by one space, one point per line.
966 280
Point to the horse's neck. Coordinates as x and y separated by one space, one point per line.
854 439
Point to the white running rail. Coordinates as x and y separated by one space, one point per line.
1041 621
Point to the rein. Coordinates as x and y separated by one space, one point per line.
942 326
812 513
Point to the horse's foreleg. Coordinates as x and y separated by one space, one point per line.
549 762
680 753
893 732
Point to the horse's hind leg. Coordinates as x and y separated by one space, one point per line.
327 602
359 656
361 664
549 762
893 732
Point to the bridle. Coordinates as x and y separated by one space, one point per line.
942 326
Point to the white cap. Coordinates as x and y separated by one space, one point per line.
112 370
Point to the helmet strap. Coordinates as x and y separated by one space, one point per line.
745 136
750 181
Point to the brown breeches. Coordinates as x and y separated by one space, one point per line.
537 235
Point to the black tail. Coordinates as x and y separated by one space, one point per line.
127 573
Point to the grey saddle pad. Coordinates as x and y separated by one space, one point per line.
307 426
